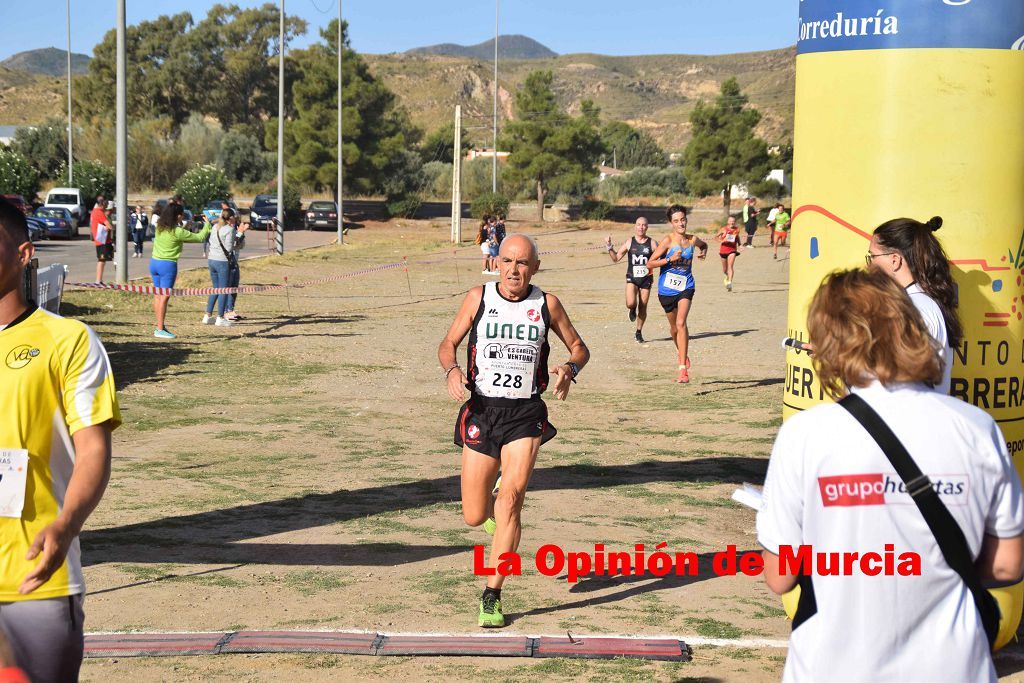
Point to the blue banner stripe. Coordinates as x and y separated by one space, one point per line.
839 25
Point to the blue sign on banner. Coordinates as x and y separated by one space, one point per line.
839 25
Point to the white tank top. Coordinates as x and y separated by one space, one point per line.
508 345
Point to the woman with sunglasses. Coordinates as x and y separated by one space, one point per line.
907 251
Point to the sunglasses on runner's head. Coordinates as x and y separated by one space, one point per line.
869 257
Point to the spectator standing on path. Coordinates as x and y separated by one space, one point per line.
58 408
750 219
235 274
102 236
222 260
139 223
163 264
771 223
869 340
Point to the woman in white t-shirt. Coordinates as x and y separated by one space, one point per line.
830 487
908 252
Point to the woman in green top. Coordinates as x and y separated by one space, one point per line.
163 265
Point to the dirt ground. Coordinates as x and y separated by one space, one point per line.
297 471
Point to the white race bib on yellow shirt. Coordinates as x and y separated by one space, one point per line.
13 480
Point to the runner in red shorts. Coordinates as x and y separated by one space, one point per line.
729 236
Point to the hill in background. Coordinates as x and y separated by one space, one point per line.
509 47
48 61
655 92
27 99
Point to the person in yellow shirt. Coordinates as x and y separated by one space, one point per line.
58 408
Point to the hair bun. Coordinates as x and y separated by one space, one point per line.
934 223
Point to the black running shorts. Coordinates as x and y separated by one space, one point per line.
104 252
671 303
485 425
641 282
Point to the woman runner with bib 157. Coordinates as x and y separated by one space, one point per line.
674 255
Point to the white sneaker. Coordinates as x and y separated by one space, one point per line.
223 322
207 319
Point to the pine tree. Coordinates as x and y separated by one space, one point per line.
550 150
724 150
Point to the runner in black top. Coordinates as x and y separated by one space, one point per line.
638 276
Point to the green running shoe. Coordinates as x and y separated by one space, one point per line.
490 613
490 526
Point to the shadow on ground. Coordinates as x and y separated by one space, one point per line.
219 536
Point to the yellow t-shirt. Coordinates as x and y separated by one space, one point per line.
55 379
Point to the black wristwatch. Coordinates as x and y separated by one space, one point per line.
575 370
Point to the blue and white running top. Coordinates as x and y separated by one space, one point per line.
679 277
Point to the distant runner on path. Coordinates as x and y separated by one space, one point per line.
504 422
638 275
730 248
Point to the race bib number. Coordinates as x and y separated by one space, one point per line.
675 282
730 238
13 480
510 384
640 271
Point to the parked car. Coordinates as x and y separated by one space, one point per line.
321 215
263 210
56 222
35 228
19 202
213 209
69 198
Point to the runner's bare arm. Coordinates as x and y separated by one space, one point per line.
448 348
85 489
701 245
615 254
773 577
657 256
578 351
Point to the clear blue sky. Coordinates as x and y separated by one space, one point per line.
614 27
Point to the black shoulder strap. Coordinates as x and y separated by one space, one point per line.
947 532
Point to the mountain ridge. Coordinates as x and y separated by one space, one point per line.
47 61
513 46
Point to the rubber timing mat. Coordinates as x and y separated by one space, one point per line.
405 644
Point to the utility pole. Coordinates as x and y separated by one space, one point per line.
457 179
121 237
71 172
494 158
280 138
341 219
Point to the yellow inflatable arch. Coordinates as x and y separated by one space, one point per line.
916 108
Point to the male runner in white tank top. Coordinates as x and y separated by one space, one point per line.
504 423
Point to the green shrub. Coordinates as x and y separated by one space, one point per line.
45 146
202 184
242 158
405 207
595 209
92 178
17 175
489 204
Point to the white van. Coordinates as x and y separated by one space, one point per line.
69 198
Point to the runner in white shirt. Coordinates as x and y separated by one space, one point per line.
831 487
908 252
